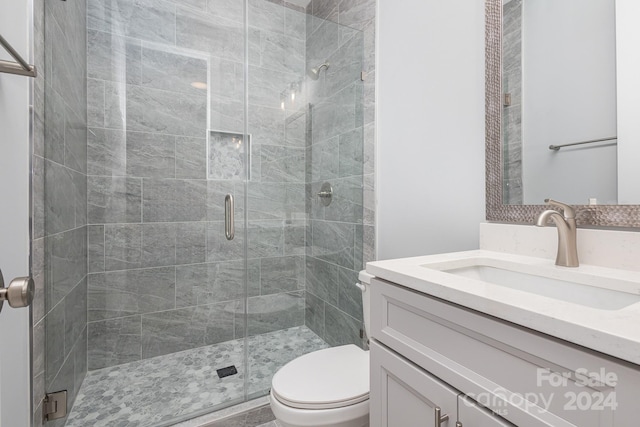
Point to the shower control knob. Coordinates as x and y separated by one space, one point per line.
19 293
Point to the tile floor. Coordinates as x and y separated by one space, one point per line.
166 389
259 417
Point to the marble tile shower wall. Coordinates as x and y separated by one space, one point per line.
340 150
59 228
512 114
162 277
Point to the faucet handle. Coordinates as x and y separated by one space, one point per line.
569 211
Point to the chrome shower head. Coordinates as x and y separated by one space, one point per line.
314 73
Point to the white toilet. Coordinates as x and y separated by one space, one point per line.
328 387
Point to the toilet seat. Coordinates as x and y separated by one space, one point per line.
326 379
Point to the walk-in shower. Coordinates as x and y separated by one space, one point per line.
154 112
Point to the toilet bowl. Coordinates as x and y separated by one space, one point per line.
327 387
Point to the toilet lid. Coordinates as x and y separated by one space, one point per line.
330 378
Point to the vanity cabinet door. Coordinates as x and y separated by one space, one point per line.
404 395
470 414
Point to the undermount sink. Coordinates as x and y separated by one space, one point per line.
602 293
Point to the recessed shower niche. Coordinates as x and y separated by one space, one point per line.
226 155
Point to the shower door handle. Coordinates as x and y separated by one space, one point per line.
229 229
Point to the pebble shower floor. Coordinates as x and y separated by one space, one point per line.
165 389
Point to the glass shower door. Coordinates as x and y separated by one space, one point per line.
144 139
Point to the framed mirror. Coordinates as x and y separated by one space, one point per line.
561 106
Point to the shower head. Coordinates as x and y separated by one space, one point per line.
314 73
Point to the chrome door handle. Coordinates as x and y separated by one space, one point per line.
439 419
19 293
229 229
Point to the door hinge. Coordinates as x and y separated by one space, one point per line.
363 75
54 405
507 99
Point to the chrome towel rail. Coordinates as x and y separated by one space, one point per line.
20 67
557 147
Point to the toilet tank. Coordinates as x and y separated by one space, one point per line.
365 287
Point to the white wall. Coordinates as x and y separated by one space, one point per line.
14 218
430 134
569 95
628 40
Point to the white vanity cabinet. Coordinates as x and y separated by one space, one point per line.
406 396
484 372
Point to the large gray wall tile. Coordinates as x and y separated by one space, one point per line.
155 110
67 66
314 314
265 239
277 51
346 65
335 115
349 295
346 205
191 242
209 283
218 36
230 9
326 159
221 249
281 164
95 248
270 313
151 155
124 293
54 342
65 195
114 199
175 200
281 274
334 242
276 201
113 342
266 124
357 13
106 152
186 328
54 125
351 153
122 246
266 15
295 237
75 320
65 263
159 244
171 71
340 328
226 78
191 157
95 103
152 20
322 279
113 58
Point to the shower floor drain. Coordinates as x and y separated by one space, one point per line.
228 371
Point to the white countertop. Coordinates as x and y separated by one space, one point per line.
615 332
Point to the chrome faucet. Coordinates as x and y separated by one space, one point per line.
567 236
